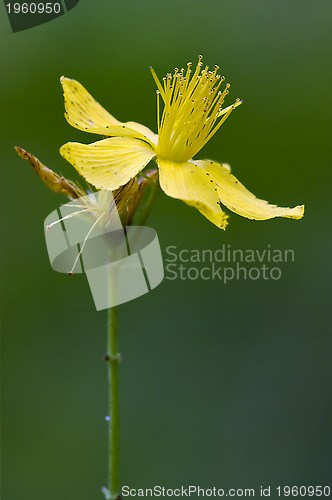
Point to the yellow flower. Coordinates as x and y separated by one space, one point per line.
192 113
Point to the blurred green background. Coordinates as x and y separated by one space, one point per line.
221 385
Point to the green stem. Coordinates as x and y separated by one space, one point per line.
113 362
112 357
143 216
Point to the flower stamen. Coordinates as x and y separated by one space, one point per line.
192 110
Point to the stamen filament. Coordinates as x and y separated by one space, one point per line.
156 79
158 109
85 240
48 227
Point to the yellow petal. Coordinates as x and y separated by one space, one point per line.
85 113
237 198
110 163
191 184
145 131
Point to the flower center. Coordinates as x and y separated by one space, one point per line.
192 110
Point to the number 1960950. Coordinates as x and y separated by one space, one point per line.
34 8
302 491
